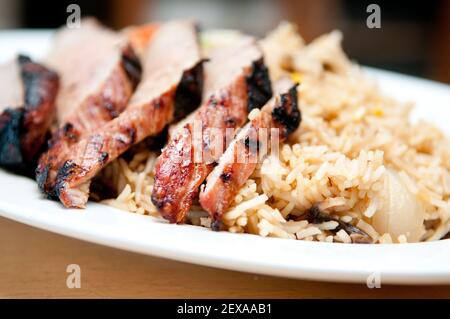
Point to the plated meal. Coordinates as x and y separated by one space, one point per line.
217 129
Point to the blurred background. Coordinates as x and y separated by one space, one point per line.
414 37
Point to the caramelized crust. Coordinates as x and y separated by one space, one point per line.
23 129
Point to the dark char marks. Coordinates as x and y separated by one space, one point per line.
24 130
39 82
10 132
132 66
226 176
259 86
189 91
68 169
287 112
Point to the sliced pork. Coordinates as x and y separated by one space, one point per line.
27 105
171 86
98 72
276 120
236 81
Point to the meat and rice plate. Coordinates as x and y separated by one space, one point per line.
296 141
355 171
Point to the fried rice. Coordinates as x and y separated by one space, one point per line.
356 160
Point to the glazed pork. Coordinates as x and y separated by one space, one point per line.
27 105
236 81
171 86
273 124
98 72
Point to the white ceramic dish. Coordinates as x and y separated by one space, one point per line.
422 263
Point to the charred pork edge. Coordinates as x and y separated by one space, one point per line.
11 156
66 133
189 95
291 118
12 126
259 85
132 66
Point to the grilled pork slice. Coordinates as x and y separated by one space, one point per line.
236 81
276 120
27 105
98 72
171 85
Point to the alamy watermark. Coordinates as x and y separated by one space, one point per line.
374 19
74 19
74 278
374 280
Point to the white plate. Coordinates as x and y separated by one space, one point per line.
404 264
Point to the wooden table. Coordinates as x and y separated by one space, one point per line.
33 264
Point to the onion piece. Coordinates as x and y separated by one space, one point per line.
401 213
